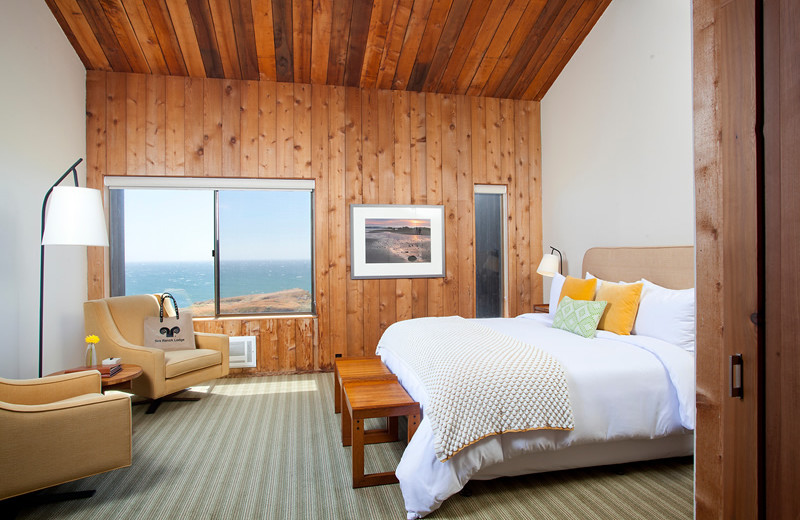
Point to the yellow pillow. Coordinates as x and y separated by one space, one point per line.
578 288
623 302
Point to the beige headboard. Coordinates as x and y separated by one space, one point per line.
671 267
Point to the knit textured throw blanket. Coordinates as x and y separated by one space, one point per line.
480 382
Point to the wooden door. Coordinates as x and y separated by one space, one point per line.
782 258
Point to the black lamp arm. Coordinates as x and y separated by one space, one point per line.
560 259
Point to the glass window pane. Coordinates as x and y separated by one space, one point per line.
489 255
265 251
168 242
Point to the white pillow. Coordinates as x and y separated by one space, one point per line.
666 314
555 292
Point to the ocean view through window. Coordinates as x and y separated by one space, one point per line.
219 251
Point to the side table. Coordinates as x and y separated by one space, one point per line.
119 381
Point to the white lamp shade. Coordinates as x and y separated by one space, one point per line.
75 217
548 266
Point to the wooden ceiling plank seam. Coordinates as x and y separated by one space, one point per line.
500 42
451 34
178 12
282 32
226 39
244 30
420 13
145 34
83 33
263 32
547 33
394 43
73 40
302 13
167 39
340 39
96 18
478 13
501 13
538 95
532 19
357 45
321 40
429 44
121 25
376 41
206 37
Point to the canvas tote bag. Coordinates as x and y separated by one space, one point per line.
169 332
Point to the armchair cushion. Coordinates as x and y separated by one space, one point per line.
184 361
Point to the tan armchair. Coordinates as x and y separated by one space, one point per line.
119 323
60 428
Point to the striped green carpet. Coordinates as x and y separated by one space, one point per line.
269 448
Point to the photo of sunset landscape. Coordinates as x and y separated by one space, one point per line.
394 241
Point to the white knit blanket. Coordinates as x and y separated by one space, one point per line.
480 382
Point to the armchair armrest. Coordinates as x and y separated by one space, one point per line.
49 389
218 342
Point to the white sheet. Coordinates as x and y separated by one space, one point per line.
620 388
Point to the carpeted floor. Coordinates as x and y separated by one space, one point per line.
269 448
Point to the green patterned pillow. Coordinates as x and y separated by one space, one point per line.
578 316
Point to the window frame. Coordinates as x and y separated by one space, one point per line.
496 189
215 184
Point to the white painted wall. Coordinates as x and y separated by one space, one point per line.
617 153
42 132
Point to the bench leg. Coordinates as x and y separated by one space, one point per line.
413 423
347 425
337 391
359 479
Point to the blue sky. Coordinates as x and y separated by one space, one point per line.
178 225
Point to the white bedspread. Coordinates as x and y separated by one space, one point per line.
630 387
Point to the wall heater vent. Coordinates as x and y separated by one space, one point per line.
242 351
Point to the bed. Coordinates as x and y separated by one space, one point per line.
631 397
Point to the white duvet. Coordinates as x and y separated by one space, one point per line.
621 387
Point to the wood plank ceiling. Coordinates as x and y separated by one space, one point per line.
491 48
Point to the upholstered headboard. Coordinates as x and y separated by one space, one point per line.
671 267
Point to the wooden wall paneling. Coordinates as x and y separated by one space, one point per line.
181 19
249 135
225 37
450 200
419 188
533 120
523 204
402 188
507 178
175 138
369 145
494 174
156 125
302 131
386 195
318 154
212 127
265 38
478 130
321 40
136 122
284 151
465 204
96 157
271 345
301 40
339 42
353 193
437 20
433 175
287 348
376 41
194 127
231 129
408 54
394 43
146 36
337 222
307 355
116 123
267 129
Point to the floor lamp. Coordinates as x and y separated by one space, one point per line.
74 217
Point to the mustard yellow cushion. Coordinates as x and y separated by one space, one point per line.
623 302
578 288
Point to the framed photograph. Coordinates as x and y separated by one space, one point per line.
396 241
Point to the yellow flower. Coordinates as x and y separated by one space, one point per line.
92 339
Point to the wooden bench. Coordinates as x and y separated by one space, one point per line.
372 399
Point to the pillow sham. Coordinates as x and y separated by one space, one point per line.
667 314
623 302
578 288
578 316
555 292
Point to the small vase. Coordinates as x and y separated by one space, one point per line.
91 355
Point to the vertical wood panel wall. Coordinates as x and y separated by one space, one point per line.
360 146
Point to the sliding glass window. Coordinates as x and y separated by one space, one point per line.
226 250
490 251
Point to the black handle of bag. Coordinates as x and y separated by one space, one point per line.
161 306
